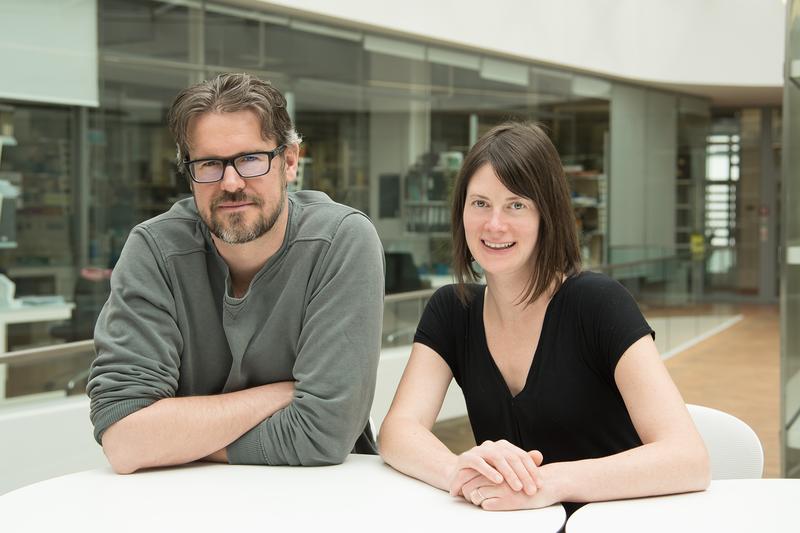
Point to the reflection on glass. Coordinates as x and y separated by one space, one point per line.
145 28
132 155
41 164
718 168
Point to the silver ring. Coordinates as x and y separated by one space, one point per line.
483 498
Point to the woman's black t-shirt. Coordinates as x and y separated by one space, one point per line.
570 407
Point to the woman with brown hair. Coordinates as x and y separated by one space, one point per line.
564 387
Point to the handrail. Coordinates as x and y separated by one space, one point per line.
410 295
46 353
605 267
70 349
611 266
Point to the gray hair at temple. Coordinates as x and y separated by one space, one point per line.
228 93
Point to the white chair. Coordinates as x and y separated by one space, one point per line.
733 447
373 429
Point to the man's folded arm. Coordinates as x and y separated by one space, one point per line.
134 377
181 430
337 360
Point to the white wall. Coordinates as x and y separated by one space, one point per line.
390 370
700 42
45 440
48 51
627 183
660 156
642 171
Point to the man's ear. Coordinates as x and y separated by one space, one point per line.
291 158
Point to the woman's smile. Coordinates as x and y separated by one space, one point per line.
497 245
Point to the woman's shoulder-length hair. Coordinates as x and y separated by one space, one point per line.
527 164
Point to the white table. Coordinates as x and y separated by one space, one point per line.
730 505
23 314
363 494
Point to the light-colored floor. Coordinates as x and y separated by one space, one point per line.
736 370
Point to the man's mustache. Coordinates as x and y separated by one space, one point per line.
238 196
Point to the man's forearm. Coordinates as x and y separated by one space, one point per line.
180 430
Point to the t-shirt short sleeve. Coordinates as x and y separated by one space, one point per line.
439 324
611 319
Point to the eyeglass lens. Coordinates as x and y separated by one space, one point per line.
248 165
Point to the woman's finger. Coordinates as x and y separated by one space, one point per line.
524 469
462 477
527 471
479 483
537 457
479 463
502 465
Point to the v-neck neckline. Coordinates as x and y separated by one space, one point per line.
532 369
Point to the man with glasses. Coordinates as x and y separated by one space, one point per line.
244 324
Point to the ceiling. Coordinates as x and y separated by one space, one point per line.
727 96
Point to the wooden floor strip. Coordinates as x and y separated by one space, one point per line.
738 371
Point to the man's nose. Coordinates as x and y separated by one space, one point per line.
231 180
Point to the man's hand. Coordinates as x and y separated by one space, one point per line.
283 390
220 456
498 462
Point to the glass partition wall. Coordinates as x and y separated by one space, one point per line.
790 264
386 123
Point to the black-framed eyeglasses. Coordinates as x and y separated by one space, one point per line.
246 165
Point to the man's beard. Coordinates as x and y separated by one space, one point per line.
231 228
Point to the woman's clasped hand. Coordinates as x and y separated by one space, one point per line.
498 475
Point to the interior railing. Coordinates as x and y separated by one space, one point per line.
666 288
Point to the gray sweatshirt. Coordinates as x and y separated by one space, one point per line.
313 314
